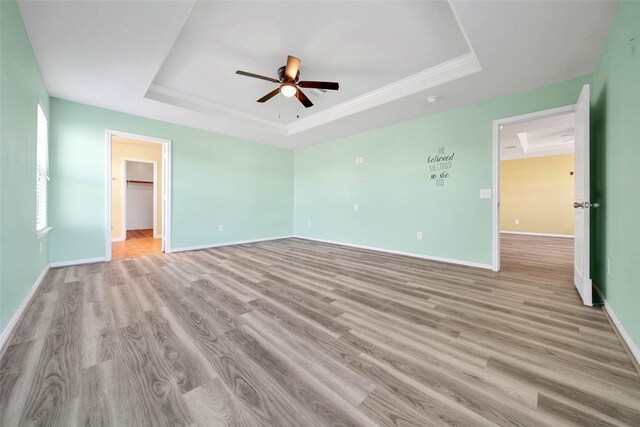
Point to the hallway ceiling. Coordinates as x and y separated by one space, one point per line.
175 60
546 136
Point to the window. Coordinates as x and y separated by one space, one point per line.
42 171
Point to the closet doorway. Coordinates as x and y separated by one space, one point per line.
137 208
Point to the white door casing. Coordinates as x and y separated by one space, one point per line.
497 125
166 187
165 208
582 205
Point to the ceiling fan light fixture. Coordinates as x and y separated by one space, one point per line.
288 90
289 85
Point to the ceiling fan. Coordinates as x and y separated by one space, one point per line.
288 77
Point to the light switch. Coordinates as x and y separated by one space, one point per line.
355 207
485 193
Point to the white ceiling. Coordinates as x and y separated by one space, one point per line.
547 136
176 60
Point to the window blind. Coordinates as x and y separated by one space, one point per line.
42 169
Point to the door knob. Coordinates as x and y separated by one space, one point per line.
585 205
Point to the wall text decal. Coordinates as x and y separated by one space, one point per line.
440 165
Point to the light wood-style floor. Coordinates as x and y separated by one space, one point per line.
298 333
138 243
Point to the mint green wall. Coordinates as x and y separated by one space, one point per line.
216 180
393 189
21 87
615 97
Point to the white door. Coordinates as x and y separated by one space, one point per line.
582 205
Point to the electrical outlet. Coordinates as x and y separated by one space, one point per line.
221 227
309 224
356 207
485 193
359 160
517 221
419 235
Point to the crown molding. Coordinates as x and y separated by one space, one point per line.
445 72
202 105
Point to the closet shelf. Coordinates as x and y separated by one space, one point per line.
139 182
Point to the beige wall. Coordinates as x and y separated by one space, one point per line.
539 192
131 149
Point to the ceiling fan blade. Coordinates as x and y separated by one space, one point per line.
293 64
320 85
303 98
257 76
269 95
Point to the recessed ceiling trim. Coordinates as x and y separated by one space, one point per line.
445 72
200 105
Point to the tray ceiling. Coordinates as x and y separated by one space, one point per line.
362 48
546 136
176 60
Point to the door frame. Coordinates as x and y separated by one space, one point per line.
166 186
123 206
495 257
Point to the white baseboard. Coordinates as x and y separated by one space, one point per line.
157 236
568 236
411 254
76 262
633 347
15 319
217 245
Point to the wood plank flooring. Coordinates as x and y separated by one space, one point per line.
298 333
138 243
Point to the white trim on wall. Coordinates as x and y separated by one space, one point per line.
495 191
411 254
17 316
166 188
237 242
525 233
631 345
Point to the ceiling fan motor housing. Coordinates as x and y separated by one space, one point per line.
283 77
